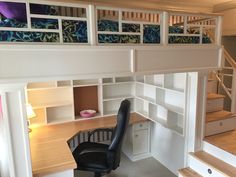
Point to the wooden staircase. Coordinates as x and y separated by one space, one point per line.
218 158
218 120
203 164
208 165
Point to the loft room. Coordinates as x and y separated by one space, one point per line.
65 57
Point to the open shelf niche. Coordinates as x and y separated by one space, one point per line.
114 90
51 104
85 98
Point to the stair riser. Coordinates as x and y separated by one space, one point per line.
212 86
215 105
219 153
203 169
220 126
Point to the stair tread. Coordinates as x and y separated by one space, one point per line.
218 115
211 96
225 141
188 172
217 164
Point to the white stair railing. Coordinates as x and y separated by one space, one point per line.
228 64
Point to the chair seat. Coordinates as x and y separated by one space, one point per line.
91 156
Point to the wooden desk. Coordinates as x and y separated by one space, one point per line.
50 152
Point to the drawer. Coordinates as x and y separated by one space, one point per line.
215 105
203 169
220 126
141 126
140 142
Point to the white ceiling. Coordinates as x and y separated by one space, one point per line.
186 5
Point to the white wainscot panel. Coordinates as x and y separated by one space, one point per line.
69 173
175 58
51 61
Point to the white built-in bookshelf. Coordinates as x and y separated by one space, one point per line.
160 98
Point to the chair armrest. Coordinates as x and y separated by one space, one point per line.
90 134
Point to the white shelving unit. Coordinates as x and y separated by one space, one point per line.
114 91
160 98
146 92
86 82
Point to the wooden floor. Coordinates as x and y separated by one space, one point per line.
225 141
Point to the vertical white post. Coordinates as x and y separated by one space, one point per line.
133 60
15 124
201 108
164 28
218 34
195 112
92 29
233 92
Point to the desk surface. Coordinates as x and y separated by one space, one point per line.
50 152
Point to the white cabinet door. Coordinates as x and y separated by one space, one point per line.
140 142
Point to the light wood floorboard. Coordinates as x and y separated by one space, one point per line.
225 141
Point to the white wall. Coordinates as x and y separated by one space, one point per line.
229 43
4 170
167 147
229 22
34 62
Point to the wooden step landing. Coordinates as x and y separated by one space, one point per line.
188 172
225 141
211 96
215 163
218 115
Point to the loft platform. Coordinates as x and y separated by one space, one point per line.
41 39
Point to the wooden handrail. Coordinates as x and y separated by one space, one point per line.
229 59
223 86
191 21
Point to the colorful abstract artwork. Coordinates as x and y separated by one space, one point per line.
184 40
22 36
151 34
206 39
57 10
116 38
12 23
128 27
43 9
176 30
74 31
40 23
108 25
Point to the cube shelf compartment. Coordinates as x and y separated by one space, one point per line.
175 81
41 85
156 80
85 82
85 98
111 107
114 91
146 92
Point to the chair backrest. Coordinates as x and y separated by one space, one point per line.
118 134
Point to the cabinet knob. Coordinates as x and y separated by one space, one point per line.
136 136
209 171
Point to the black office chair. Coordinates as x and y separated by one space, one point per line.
101 158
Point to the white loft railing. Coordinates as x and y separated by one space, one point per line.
94 25
228 72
